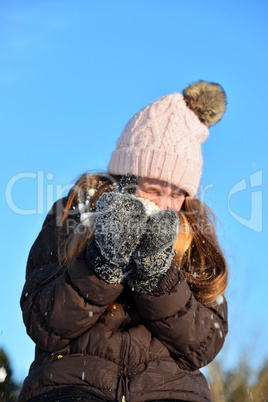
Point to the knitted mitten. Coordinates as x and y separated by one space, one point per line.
120 219
152 258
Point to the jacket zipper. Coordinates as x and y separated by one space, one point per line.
123 399
123 388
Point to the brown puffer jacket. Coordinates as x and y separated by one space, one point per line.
107 339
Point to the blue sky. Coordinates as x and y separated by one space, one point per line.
73 73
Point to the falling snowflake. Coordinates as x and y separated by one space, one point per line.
219 300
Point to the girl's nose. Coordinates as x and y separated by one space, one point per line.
165 203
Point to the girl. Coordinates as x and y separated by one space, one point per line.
125 282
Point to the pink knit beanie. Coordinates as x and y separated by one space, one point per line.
163 140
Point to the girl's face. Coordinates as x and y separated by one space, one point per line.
163 194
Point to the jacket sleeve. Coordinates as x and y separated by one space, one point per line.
193 333
59 305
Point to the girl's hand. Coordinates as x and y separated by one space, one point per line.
154 255
120 222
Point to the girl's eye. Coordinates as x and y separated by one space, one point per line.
151 191
179 196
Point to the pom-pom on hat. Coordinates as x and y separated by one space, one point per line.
163 140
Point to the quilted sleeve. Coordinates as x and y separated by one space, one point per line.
193 333
59 305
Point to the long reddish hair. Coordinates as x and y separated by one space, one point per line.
197 251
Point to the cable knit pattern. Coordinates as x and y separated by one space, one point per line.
162 141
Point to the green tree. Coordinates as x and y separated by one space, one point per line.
236 385
260 388
9 389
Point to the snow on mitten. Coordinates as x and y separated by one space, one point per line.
119 224
153 256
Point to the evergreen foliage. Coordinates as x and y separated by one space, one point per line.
9 389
